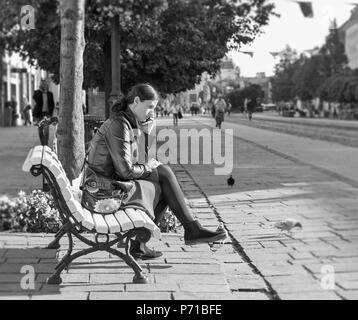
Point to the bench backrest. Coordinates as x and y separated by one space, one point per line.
122 221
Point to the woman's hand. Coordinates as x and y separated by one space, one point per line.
153 163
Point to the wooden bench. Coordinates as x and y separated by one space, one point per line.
108 230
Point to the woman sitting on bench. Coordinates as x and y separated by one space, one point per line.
154 185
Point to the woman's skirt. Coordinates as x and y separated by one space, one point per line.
146 195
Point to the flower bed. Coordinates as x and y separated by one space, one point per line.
36 213
33 213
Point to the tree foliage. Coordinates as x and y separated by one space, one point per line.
238 96
169 43
302 76
340 88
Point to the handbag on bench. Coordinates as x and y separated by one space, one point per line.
102 195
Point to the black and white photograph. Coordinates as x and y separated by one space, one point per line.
179 155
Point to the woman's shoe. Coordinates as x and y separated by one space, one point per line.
146 254
195 234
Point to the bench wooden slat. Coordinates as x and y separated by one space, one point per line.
56 171
136 218
100 224
156 233
88 220
36 157
27 164
75 209
47 160
125 223
67 193
113 224
148 223
62 182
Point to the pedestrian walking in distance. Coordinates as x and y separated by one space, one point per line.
44 107
251 107
229 107
26 110
175 110
220 107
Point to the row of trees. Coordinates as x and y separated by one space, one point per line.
168 43
324 74
238 96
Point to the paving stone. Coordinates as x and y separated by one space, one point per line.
250 296
11 286
2 252
23 261
129 296
112 278
204 288
66 278
31 253
186 269
247 284
62 296
348 285
237 269
82 288
13 297
347 295
10 278
16 268
191 261
194 296
338 267
320 295
151 288
213 279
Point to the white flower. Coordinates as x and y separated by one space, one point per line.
22 194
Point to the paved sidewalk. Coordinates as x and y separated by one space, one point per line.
275 183
257 262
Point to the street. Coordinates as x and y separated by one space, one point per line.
278 176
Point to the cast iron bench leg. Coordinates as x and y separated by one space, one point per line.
64 260
55 244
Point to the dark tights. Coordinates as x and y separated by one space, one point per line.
173 195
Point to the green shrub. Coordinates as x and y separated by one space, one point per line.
36 213
169 223
32 213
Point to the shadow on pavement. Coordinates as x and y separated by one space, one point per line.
23 272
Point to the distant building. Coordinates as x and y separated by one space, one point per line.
349 35
228 73
228 70
20 79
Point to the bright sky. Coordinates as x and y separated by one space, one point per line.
292 29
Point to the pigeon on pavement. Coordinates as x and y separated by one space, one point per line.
288 225
221 228
231 181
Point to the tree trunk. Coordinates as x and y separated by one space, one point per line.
70 132
2 110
